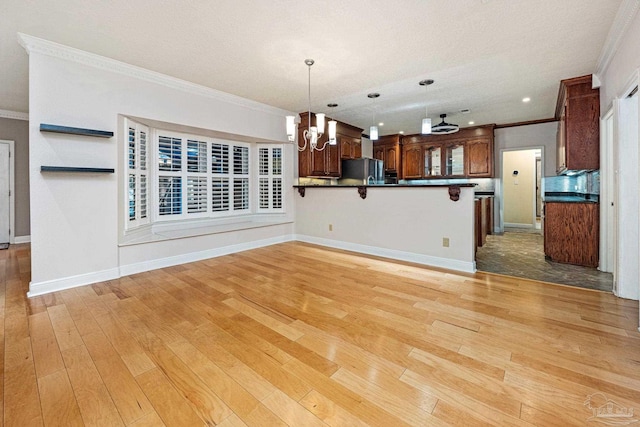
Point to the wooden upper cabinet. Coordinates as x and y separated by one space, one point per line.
388 149
327 163
578 114
468 153
479 158
412 161
350 147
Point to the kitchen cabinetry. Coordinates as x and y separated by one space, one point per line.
412 161
327 163
466 154
571 233
350 147
387 148
483 219
479 158
578 114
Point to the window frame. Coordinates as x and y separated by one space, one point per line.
137 172
271 176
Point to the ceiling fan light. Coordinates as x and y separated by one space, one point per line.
373 133
426 126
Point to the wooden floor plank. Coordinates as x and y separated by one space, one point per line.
296 334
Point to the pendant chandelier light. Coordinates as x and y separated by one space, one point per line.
312 134
426 122
373 130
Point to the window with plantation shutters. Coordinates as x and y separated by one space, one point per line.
270 178
171 176
137 175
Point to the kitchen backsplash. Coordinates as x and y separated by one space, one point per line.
585 183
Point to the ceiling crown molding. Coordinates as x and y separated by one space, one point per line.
45 47
626 13
16 115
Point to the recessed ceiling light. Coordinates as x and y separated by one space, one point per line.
401 132
527 99
380 124
472 123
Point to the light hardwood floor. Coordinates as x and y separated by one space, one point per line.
300 335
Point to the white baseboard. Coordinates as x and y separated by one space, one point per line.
21 239
49 286
46 287
155 264
431 261
517 225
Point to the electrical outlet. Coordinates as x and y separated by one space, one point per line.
330 227
445 242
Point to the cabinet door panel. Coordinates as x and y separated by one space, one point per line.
479 158
390 159
413 162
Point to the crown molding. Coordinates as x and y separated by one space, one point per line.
16 115
626 12
45 47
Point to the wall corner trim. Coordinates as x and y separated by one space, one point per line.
626 12
45 47
15 115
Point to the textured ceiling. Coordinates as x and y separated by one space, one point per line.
484 55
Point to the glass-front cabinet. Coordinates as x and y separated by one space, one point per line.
432 161
454 159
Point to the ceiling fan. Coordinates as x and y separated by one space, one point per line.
444 128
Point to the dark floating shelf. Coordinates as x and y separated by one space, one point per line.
75 131
75 169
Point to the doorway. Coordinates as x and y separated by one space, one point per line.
6 192
521 189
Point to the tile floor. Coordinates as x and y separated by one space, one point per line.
521 254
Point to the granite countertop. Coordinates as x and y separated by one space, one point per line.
383 185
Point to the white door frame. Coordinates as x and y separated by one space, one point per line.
12 190
608 206
501 183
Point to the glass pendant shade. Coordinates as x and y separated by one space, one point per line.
426 126
291 128
320 123
332 132
373 133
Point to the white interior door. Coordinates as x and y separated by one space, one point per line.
5 185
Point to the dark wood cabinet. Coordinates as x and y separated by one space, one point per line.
350 147
479 158
388 149
327 162
468 153
578 114
571 233
412 161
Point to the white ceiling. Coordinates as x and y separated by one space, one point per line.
484 55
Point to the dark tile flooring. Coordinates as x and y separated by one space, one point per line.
521 254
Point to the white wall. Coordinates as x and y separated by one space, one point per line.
616 77
402 223
74 217
519 190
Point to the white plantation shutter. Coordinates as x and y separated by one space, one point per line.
270 178
196 177
137 176
197 194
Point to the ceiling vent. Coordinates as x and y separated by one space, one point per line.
444 128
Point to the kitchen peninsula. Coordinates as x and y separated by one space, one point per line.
415 223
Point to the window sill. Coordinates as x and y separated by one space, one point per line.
186 229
